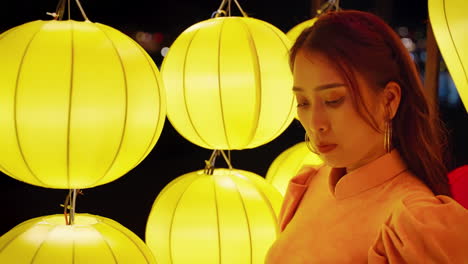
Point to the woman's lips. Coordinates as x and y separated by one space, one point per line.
326 148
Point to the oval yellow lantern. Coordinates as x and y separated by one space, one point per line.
92 239
227 217
228 83
294 32
81 104
288 164
449 23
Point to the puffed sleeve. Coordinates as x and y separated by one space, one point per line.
423 229
293 196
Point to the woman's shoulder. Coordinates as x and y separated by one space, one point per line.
423 227
305 174
294 193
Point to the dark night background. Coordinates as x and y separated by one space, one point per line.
128 200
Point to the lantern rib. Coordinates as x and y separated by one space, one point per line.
4 34
185 90
453 41
246 218
219 84
161 113
173 216
285 123
117 228
5 171
70 99
274 167
107 244
213 179
158 200
42 243
73 251
266 200
258 80
124 128
160 109
20 234
20 149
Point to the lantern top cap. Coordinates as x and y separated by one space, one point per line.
80 220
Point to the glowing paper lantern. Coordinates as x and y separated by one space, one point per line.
92 239
227 217
81 104
294 32
449 23
288 164
229 84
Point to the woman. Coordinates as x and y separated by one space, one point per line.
382 196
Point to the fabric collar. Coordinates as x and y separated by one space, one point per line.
382 169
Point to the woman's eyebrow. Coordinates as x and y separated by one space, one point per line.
320 87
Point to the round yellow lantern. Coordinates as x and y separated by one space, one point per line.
227 217
229 84
288 164
449 23
294 32
81 104
92 239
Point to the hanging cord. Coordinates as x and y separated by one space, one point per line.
81 9
240 9
227 159
60 10
210 164
221 10
328 6
70 205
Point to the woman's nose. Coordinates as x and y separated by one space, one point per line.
317 121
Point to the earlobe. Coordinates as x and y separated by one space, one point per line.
392 97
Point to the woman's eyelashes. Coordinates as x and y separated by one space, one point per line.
333 103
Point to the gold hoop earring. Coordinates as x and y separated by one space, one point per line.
308 144
388 135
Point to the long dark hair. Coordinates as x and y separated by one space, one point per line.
361 42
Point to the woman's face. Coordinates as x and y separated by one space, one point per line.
338 133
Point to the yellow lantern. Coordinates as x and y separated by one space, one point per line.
288 164
294 32
228 83
92 239
449 23
227 217
81 104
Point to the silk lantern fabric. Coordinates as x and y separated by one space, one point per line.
449 23
288 164
229 84
229 217
81 104
294 32
91 239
